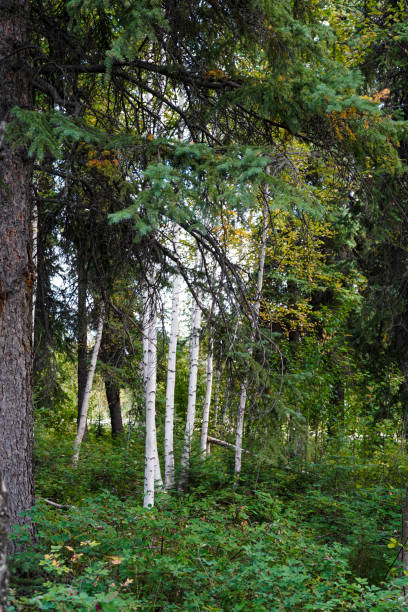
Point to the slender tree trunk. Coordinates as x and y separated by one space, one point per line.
217 392
88 389
207 401
192 390
257 306
149 333
4 525
82 336
113 398
225 404
153 342
171 382
152 466
16 278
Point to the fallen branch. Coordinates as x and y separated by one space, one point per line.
53 503
211 440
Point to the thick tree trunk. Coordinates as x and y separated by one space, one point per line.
4 525
192 390
16 278
257 306
171 382
88 389
113 398
82 336
34 234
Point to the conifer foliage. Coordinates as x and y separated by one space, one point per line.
203 216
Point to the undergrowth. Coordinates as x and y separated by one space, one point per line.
295 540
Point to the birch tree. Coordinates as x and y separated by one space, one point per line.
208 392
171 382
88 388
192 388
255 315
152 464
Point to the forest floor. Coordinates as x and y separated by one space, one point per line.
290 537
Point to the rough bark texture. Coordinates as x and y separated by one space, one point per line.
16 414
4 523
113 397
111 355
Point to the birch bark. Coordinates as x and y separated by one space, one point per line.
192 389
88 389
171 382
207 401
257 306
152 465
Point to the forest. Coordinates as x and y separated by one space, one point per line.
203 305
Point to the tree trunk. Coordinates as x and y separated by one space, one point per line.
207 401
192 390
171 382
152 465
149 333
16 278
113 398
82 336
4 524
88 389
34 234
217 392
257 306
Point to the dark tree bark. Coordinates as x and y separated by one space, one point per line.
4 523
16 276
81 332
112 356
113 397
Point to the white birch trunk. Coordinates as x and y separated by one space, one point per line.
149 333
192 390
152 465
153 342
171 382
150 399
257 307
88 388
207 401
